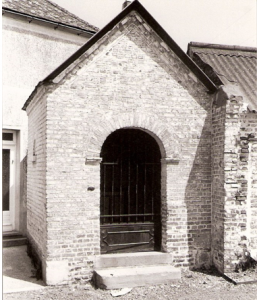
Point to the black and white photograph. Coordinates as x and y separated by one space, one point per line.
129 149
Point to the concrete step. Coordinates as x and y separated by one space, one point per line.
132 259
115 278
13 239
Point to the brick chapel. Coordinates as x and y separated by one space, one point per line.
136 147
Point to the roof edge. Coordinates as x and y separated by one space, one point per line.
31 96
221 47
134 6
11 11
95 28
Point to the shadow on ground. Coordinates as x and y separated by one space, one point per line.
18 271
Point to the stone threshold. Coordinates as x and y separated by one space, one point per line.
240 278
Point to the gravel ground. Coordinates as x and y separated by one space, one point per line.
193 285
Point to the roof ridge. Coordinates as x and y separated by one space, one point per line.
237 55
71 14
222 46
227 54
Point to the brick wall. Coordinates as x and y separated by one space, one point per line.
234 198
246 195
218 191
252 224
129 79
36 176
240 132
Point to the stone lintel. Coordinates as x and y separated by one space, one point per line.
170 161
93 160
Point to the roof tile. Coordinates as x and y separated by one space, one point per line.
48 10
233 64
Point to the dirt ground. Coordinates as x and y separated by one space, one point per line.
193 285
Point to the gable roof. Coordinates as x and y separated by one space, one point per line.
228 64
46 10
134 6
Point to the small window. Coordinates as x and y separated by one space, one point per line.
7 136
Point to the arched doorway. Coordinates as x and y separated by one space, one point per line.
130 192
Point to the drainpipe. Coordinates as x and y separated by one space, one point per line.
125 4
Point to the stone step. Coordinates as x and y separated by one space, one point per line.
13 239
254 254
115 278
132 259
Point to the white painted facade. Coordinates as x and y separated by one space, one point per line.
30 50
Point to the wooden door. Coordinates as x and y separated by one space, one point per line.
130 192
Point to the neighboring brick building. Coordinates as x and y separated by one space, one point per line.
130 143
37 36
234 155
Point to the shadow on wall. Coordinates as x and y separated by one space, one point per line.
198 201
198 187
23 197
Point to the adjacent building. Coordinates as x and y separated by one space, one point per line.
234 157
37 37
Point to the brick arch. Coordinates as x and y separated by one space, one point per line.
150 123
